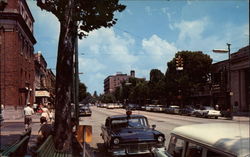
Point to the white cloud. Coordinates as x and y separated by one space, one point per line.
191 29
159 50
44 19
90 65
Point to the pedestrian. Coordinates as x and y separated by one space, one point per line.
45 113
35 107
217 107
44 131
28 112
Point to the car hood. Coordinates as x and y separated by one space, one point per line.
136 135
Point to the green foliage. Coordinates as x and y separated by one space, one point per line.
107 98
197 67
91 14
82 91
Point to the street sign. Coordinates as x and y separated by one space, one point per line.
84 133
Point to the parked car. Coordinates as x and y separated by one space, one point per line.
207 112
208 140
84 111
149 107
158 108
188 110
110 106
173 109
133 107
130 135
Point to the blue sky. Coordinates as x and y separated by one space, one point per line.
147 35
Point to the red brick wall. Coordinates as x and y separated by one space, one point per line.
13 62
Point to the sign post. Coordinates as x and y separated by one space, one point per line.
84 135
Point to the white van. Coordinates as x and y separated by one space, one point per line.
208 140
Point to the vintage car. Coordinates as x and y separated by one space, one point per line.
188 110
207 112
130 135
173 109
159 108
110 106
84 111
208 140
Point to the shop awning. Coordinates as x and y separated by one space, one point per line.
42 93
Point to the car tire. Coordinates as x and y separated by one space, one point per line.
216 117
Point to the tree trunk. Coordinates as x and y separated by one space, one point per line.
64 78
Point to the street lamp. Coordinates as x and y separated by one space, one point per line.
229 70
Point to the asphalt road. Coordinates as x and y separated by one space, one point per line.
165 123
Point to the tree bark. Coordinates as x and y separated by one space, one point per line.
64 78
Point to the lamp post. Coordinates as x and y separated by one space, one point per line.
229 93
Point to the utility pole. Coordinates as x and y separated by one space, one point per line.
179 67
229 93
76 79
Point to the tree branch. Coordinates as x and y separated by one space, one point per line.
50 6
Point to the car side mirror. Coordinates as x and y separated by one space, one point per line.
153 126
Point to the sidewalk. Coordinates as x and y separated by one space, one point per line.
12 129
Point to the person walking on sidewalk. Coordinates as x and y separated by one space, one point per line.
45 113
28 112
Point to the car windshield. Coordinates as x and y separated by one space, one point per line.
129 123
84 107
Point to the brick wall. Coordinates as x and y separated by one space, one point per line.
17 61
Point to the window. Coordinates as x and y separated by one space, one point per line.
176 146
193 150
211 153
129 123
21 73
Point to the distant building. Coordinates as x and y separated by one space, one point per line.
240 81
114 81
44 81
16 56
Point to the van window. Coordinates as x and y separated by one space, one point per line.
211 153
193 150
176 146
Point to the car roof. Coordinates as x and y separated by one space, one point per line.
232 138
124 116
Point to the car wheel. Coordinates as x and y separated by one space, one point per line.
216 117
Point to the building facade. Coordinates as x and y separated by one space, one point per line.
114 81
233 91
16 55
44 81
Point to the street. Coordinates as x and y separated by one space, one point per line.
11 130
164 123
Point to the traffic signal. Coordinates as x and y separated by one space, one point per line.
179 63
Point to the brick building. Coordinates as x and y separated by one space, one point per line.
16 56
44 81
114 81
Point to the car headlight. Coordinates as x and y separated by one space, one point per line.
116 141
160 138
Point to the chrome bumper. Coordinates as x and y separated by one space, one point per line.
134 149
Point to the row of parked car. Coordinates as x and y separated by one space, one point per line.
110 105
203 111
